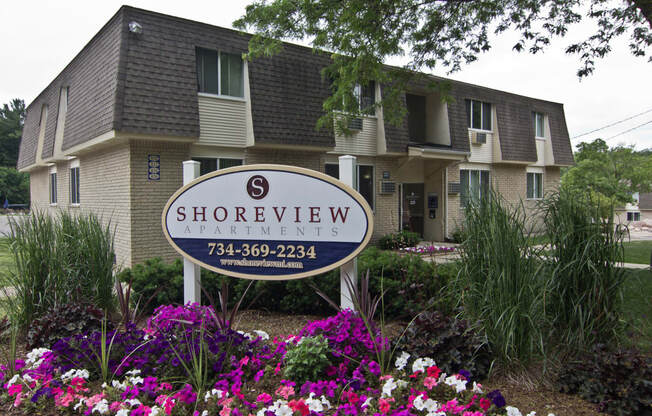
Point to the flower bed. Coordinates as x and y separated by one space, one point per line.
154 372
431 249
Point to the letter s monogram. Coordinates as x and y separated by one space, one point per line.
257 187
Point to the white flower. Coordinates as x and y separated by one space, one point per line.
13 380
262 412
325 402
367 402
262 334
284 410
532 413
79 404
388 387
246 335
35 357
460 385
155 411
104 386
102 407
402 384
28 378
134 372
402 360
431 405
136 380
421 364
477 388
133 402
122 412
418 403
513 411
314 405
120 386
70 374
204 413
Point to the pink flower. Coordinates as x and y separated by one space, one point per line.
226 411
430 382
18 399
485 403
277 369
64 400
15 389
384 405
299 406
115 406
93 400
285 391
244 361
264 398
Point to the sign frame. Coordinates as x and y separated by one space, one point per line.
355 195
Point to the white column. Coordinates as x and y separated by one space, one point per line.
191 271
348 173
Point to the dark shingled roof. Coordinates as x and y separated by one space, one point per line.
645 200
93 77
146 84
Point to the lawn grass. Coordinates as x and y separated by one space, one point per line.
6 260
637 307
638 251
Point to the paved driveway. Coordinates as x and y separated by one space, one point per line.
4 225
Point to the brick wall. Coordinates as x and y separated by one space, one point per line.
149 197
39 188
104 190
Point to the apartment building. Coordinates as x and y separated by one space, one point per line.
110 132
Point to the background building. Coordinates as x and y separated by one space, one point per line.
149 91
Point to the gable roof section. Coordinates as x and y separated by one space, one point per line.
93 80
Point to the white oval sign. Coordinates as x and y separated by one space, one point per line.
269 222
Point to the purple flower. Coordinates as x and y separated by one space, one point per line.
496 398
43 391
374 368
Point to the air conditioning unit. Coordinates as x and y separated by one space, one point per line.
387 187
478 138
355 124
454 188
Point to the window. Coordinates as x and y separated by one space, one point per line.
220 73
474 184
364 179
538 124
366 97
74 182
633 216
211 164
478 115
53 185
534 185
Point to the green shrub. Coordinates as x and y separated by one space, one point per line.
398 240
59 259
501 283
451 341
403 275
586 284
307 360
63 321
617 381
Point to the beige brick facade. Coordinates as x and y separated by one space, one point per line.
150 196
114 184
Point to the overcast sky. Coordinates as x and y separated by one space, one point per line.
41 37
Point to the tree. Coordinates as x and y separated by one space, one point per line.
361 34
14 186
12 118
611 175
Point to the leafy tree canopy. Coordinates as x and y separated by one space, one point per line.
12 117
610 174
361 34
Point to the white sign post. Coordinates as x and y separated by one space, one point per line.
348 168
191 271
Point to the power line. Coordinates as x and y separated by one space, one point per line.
627 131
615 123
